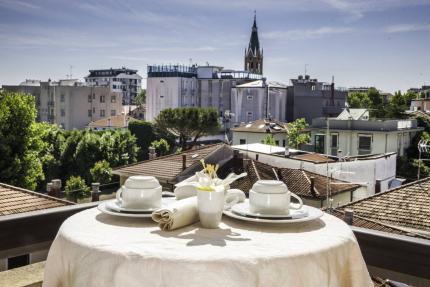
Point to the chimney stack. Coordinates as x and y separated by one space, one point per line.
152 153
55 187
184 161
348 216
95 191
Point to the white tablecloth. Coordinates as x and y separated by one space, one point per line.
94 249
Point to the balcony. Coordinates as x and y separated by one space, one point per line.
365 125
385 254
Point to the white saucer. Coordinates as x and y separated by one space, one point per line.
312 213
115 205
104 208
243 208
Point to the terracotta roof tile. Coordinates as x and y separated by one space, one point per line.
298 181
170 166
407 206
115 122
15 200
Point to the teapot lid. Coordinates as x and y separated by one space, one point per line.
141 181
269 186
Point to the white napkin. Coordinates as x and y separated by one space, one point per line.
177 214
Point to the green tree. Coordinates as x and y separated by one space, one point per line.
188 123
101 172
52 141
161 146
144 133
296 133
76 188
19 145
140 99
269 140
359 101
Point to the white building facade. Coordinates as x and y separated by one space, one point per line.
362 137
122 80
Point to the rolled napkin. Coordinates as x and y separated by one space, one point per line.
177 214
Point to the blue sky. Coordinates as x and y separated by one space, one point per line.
382 43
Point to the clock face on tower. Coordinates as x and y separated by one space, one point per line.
253 54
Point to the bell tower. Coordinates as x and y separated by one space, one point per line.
253 55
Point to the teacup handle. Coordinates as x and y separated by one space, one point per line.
118 194
299 199
230 200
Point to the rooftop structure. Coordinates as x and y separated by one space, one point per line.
311 187
15 200
113 122
261 126
406 207
173 168
354 114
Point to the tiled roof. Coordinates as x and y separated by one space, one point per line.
261 126
297 180
170 166
407 206
15 200
118 121
374 225
313 157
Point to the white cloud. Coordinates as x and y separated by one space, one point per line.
301 34
404 28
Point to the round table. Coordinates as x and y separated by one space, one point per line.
95 249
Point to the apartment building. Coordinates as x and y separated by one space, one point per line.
309 98
257 100
71 104
122 80
176 86
362 136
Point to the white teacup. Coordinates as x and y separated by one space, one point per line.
140 192
271 197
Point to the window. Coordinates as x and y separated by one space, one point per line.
277 143
113 113
364 144
283 142
89 98
94 110
249 116
94 96
63 112
102 113
18 261
319 143
334 141
62 98
90 113
102 99
113 99
249 98
242 141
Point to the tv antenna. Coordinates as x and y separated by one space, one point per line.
70 74
422 147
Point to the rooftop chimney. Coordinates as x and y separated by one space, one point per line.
184 161
349 216
152 153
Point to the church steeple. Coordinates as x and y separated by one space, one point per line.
253 55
